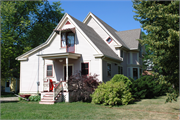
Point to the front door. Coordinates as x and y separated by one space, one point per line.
69 71
70 42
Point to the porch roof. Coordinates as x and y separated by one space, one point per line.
65 30
60 55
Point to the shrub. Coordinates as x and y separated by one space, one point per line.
147 87
82 86
35 98
113 92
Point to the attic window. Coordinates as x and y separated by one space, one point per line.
109 40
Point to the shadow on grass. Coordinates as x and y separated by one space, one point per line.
9 101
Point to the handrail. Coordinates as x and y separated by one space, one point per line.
57 89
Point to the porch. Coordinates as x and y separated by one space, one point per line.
57 68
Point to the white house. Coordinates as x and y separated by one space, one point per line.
91 46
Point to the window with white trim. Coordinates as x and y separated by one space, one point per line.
49 70
63 39
85 68
109 69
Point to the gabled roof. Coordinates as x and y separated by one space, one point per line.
111 30
130 37
96 39
90 33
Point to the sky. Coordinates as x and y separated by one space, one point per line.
118 14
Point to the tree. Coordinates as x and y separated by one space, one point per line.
161 21
15 22
24 25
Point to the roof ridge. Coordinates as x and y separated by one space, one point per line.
129 30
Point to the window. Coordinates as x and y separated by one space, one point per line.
109 40
7 83
63 39
122 53
120 70
49 71
109 69
85 68
135 73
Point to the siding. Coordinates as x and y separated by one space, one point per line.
29 68
134 58
92 23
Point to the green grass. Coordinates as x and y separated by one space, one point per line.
145 109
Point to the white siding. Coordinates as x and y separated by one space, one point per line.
92 23
29 69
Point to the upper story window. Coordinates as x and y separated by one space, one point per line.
49 70
85 68
109 69
109 40
68 41
63 39
122 53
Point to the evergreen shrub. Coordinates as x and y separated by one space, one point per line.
114 92
147 87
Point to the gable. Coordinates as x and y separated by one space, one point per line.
66 22
108 29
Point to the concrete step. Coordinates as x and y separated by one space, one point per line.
47 98
46 102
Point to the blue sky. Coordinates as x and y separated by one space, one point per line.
118 14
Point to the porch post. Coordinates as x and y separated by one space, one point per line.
66 69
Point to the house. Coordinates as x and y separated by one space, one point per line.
91 46
10 84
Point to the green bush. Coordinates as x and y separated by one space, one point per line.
147 87
35 98
113 92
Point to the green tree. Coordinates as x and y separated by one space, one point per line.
24 25
15 22
161 21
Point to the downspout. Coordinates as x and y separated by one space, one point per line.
102 67
38 75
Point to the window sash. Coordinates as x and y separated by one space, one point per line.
109 69
85 68
63 39
49 70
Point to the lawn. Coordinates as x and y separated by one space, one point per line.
145 109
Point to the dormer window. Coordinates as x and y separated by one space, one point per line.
109 40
